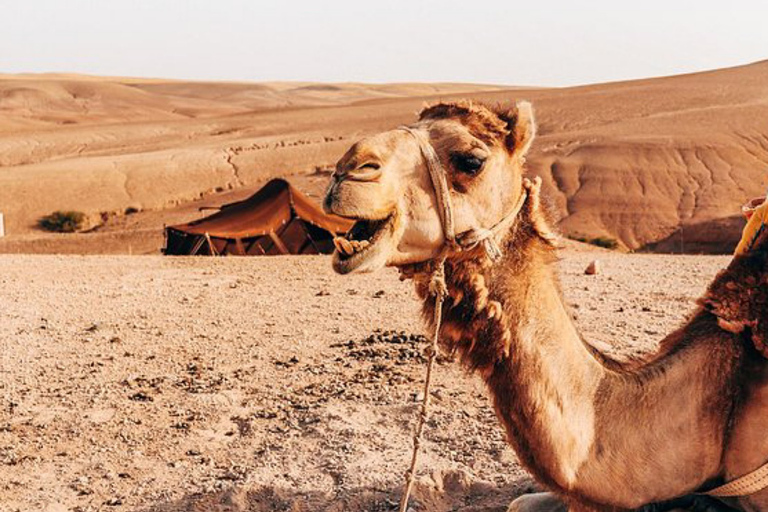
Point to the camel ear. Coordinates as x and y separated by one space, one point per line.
522 128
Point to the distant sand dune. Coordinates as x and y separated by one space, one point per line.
629 160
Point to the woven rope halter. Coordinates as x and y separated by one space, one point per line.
464 241
475 236
746 485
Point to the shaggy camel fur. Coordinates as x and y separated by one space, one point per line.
600 434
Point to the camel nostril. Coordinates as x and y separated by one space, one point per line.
367 172
328 200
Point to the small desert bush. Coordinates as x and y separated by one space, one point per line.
62 222
604 241
599 241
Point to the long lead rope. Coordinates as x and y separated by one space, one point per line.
439 288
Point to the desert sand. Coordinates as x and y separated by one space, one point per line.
659 164
266 384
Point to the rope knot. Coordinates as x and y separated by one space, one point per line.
437 285
474 237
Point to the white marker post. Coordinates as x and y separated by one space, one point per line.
2 226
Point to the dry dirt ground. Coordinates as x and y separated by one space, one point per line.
265 384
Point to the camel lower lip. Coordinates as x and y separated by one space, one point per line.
362 243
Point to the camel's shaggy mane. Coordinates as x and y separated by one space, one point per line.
484 122
475 325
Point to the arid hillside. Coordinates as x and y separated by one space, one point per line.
635 161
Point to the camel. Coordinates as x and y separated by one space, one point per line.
598 433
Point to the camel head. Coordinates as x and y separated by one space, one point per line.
383 183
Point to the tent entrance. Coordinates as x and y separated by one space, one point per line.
296 237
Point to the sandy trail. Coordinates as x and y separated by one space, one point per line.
264 384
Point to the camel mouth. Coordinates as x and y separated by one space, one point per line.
363 247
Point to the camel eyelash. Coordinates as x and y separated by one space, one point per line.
467 163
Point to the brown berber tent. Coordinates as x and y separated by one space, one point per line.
278 219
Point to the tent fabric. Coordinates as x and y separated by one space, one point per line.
268 209
278 219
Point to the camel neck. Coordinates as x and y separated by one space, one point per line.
557 397
508 322
545 387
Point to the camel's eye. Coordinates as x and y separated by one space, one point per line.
469 164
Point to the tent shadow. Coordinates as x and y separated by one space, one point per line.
477 497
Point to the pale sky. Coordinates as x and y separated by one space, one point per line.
535 42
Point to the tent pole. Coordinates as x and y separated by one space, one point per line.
278 243
239 247
309 239
254 242
210 244
197 246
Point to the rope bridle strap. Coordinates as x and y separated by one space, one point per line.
475 236
464 241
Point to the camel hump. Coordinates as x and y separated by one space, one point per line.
739 294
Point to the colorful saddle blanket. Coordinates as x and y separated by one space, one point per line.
738 296
756 212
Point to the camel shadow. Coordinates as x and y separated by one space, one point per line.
455 496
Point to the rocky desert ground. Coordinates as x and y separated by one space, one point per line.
266 384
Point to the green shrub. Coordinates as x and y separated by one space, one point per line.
600 241
604 241
62 222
